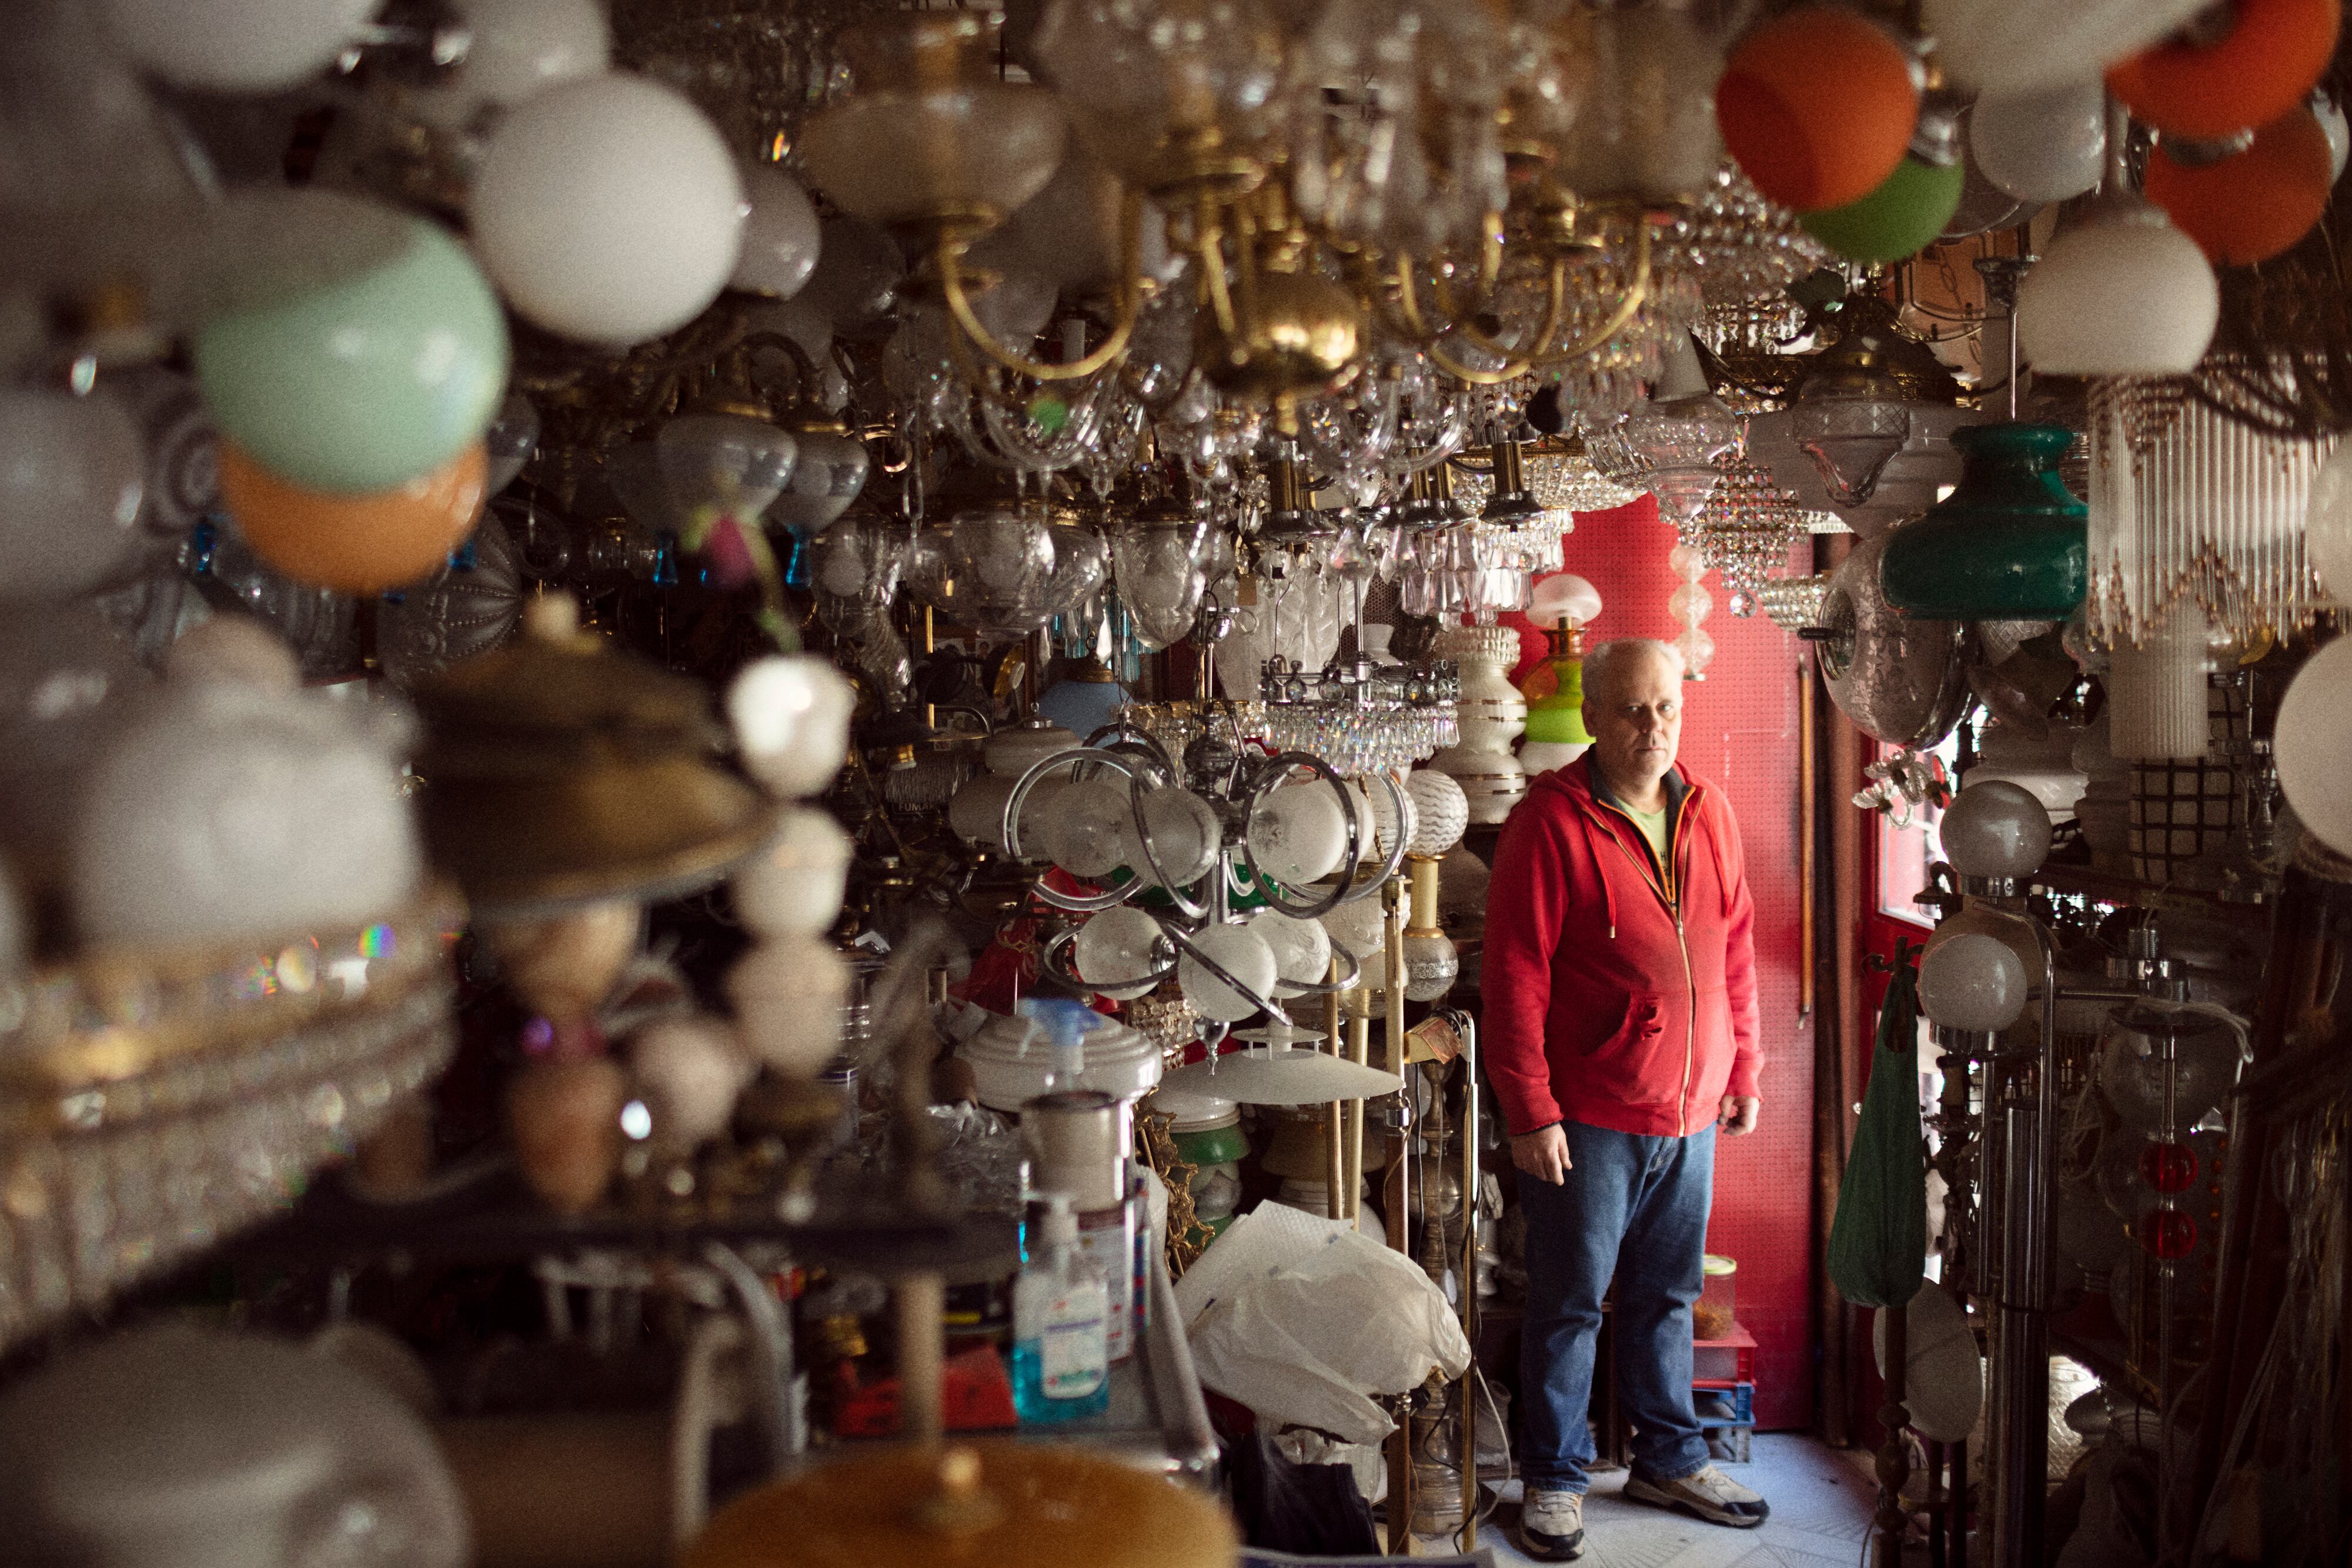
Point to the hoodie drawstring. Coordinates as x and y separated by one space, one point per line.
1608 888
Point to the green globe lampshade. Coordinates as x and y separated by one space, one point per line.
356 380
1555 692
1904 214
2010 543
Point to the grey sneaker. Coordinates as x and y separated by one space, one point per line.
1709 1495
1551 1524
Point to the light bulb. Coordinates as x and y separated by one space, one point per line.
1995 829
1240 953
2315 745
1092 831
2121 293
608 209
1442 811
1298 833
1430 965
1119 945
1302 949
70 492
1974 983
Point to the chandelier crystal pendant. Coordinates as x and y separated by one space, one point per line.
1745 530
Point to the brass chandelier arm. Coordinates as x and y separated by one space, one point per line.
1131 303
1637 293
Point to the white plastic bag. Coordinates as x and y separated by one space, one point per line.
1303 1320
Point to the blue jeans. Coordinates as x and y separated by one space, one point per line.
1634 1207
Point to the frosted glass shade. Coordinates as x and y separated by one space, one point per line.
1115 949
781 235
2156 693
791 718
608 209
1298 834
2328 525
70 492
516 49
1430 965
2315 745
1995 829
1183 835
1091 833
827 475
1301 948
1564 594
2006 46
1361 930
236 45
1440 812
2122 293
727 461
2043 145
1240 953
1973 982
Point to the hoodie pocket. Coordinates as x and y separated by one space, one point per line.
1629 1064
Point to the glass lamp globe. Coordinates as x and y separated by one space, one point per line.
727 461
2122 293
1117 947
1302 949
1183 836
608 209
1973 982
240 47
1851 419
1091 833
1564 596
2043 145
827 475
1996 829
1298 833
70 492
1381 829
2315 745
1430 965
1442 812
929 131
1240 953
515 48
1680 439
2328 525
781 235
791 718
1359 929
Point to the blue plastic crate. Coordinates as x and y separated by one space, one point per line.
1742 1396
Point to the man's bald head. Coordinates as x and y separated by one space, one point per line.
1634 707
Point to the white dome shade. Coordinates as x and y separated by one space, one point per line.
2122 293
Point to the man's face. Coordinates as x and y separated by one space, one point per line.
1635 718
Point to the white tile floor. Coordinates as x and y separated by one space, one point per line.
1821 1518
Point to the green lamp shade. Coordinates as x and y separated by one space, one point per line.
2010 543
1555 694
356 382
1898 219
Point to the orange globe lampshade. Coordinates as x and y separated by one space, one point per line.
1818 106
2256 204
2271 56
355 544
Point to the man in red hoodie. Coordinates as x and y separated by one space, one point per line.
1620 984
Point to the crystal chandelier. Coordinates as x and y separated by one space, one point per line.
1745 530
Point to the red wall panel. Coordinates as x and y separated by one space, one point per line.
1740 729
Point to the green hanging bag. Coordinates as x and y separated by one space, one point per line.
1878 1243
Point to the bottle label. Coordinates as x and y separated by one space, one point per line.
1070 1362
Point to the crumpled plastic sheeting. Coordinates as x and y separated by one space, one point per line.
1303 1320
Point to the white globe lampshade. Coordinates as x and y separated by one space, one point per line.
2043 145
1092 831
69 491
2122 293
1388 826
1115 949
1240 953
2328 525
1359 929
1183 835
2315 745
236 45
516 48
781 235
1298 834
608 209
1973 982
1302 949
1996 829
1442 811
2011 46
791 719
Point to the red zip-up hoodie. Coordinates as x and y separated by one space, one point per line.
1619 993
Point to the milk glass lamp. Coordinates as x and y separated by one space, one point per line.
1302 949
1974 983
1563 605
2315 745
1298 833
1997 829
1243 954
1118 950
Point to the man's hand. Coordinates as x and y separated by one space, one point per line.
1542 1153
1737 1116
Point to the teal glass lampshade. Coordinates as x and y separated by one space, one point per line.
2010 543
